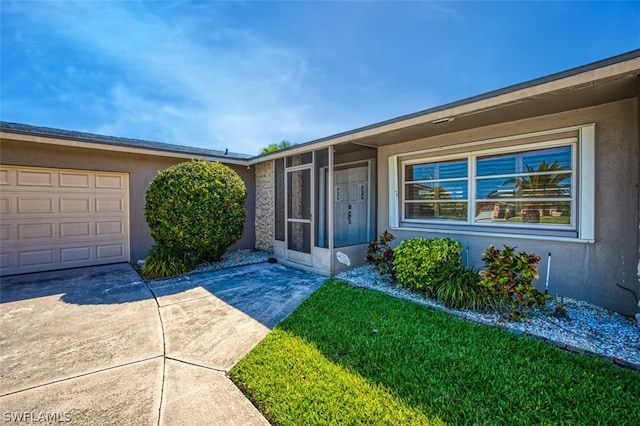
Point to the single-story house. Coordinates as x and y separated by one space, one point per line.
549 166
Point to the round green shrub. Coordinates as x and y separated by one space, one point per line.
196 207
417 261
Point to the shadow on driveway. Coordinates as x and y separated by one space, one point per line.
99 345
266 292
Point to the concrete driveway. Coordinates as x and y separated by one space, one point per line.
99 346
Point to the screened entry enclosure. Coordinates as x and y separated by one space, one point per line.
325 206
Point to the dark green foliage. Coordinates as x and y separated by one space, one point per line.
380 255
275 147
457 287
418 261
165 261
196 207
537 184
510 276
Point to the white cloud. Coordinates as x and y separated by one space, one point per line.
244 75
191 80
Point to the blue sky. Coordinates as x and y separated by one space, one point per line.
242 75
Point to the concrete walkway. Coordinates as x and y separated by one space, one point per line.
99 346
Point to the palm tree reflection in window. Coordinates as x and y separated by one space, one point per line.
541 183
429 193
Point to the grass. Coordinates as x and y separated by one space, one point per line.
561 220
355 356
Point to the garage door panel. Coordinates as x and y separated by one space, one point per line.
109 205
6 204
40 258
70 204
75 180
35 204
36 178
5 233
75 229
5 176
54 219
109 251
75 254
36 231
105 181
6 261
110 227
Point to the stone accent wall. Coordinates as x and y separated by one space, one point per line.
265 206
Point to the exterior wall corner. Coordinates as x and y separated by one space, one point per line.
265 206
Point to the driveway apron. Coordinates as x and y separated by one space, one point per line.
100 346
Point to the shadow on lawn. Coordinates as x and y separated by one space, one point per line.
459 371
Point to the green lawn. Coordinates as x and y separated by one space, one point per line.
355 356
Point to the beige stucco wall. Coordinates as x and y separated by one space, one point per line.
585 271
141 168
265 205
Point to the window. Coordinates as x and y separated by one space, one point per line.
509 188
536 186
532 187
436 190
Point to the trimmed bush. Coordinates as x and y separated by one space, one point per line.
196 208
418 261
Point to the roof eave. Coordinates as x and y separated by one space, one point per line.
555 83
26 136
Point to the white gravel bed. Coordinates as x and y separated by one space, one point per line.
586 328
233 259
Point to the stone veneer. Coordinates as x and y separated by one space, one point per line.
265 206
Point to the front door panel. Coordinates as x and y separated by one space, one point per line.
351 206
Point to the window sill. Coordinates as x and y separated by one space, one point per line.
493 234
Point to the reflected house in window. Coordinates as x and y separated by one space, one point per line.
436 190
532 193
437 203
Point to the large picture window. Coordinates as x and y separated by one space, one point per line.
533 187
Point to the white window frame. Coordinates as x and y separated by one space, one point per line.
440 159
583 187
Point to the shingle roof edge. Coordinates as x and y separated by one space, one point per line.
634 54
117 141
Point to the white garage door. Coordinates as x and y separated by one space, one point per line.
55 219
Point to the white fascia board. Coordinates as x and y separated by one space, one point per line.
472 107
118 148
